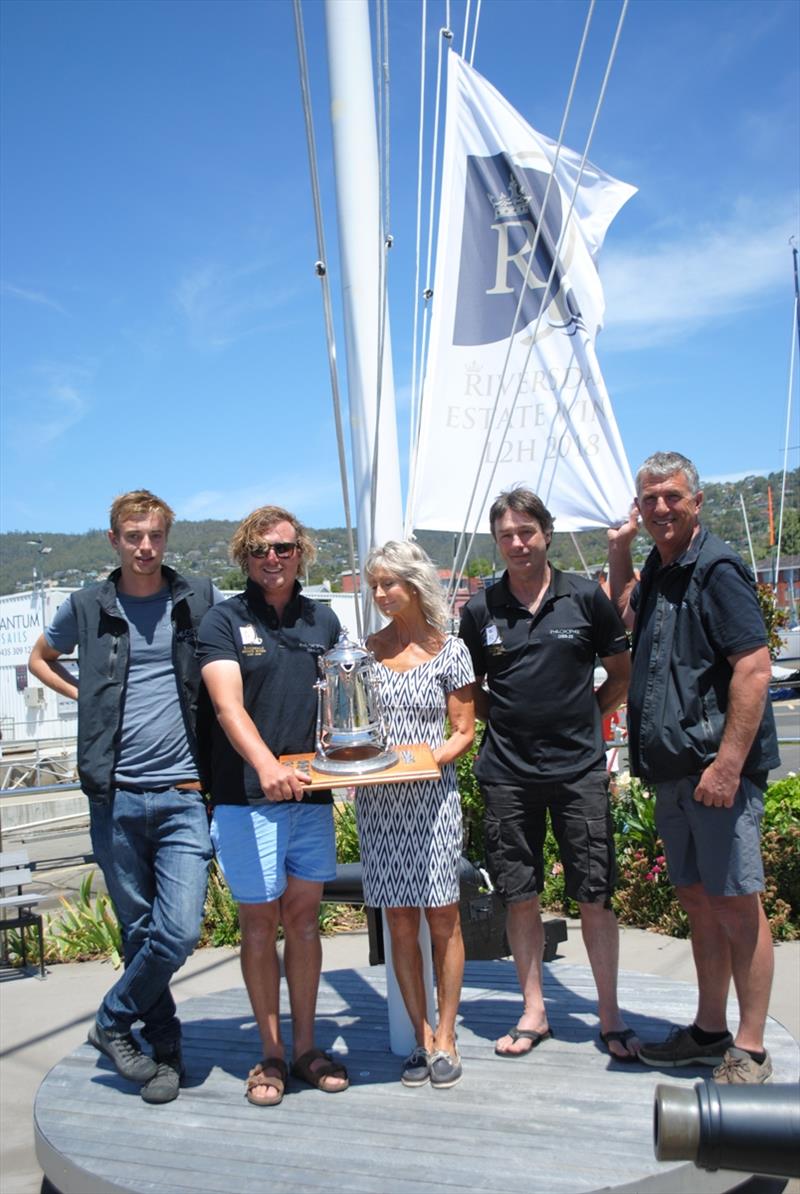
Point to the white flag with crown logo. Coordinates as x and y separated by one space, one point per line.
559 437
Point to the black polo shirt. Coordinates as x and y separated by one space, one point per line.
278 662
544 721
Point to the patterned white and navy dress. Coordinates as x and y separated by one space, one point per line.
411 834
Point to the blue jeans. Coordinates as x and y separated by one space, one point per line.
154 849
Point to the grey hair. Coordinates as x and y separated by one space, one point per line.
661 465
408 562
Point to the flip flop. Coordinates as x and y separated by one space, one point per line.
260 1075
622 1036
525 1034
302 1068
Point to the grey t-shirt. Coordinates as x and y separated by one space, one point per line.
153 748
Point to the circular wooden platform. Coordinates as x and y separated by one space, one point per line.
564 1119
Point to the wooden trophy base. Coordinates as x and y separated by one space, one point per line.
415 762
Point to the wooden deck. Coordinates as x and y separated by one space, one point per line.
564 1119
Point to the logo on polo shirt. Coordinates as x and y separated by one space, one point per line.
249 636
492 640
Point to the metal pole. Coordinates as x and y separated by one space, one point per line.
355 147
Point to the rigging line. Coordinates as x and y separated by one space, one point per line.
749 537
381 15
385 241
537 236
445 34
327 306
466 30
576 545
475 32
415 322
556 256
795 316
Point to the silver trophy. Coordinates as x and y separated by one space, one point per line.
351 729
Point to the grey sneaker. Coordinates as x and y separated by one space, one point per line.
738 1068
680 1048
164 1086
416 1068
123 1052
445 1069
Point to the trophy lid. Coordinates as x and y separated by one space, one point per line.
345 653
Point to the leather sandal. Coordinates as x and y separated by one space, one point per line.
302 1069
270 1071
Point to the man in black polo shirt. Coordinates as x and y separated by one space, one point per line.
534 638
274 841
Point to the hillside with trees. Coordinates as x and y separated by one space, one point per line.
202 547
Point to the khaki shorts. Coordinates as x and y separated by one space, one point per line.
718 847
516 824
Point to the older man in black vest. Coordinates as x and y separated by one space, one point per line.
701 731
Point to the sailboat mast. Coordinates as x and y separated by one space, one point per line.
375 460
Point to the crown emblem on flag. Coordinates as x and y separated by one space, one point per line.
513 202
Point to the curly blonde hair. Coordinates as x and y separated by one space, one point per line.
247 534
408 562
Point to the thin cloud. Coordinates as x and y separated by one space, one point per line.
657 294
50 405
222 304
291 492
32 296
65 407
727 478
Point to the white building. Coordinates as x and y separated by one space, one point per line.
29 712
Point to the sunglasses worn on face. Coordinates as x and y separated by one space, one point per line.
284 551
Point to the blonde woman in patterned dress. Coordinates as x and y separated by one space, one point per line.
411 834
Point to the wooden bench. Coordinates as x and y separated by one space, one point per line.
17 911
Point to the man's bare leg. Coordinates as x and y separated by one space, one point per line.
711 950
526 938
601 938
752 963
302 962
262 978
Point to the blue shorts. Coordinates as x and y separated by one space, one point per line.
717 847
259 846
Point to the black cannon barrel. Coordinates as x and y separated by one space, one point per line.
750 1129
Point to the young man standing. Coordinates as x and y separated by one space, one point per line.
137 696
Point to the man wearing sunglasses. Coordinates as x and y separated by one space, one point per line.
274 840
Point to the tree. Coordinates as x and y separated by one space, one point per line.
774 619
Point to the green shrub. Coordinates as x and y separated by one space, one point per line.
220 915
348 848
471 802
644 896
86 927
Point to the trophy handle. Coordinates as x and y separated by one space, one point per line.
321 686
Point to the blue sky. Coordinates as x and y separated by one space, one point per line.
161 320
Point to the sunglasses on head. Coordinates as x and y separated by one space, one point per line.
284 551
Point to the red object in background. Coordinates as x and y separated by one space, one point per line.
615 726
